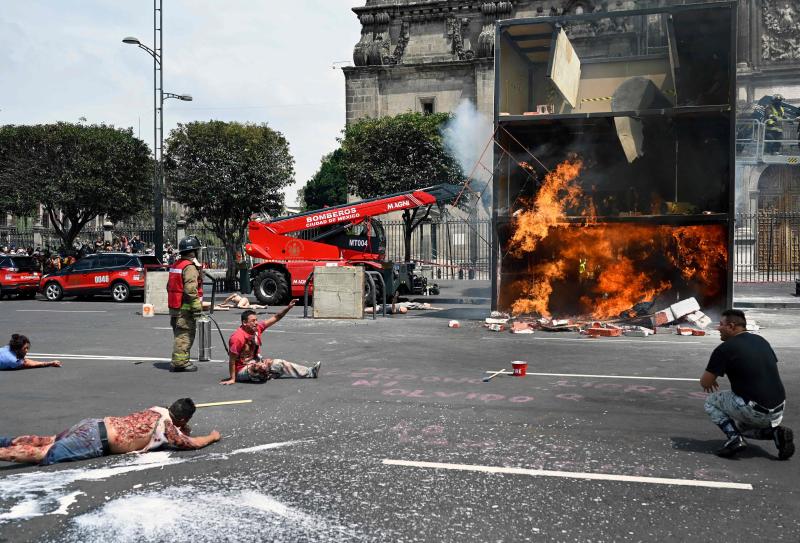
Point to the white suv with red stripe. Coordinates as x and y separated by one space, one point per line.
119 274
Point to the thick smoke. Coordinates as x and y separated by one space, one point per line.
466 136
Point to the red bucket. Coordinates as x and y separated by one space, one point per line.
520 368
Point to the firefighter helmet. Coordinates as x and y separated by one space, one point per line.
777 98
189 244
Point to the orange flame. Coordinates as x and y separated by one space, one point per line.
604 270
558 192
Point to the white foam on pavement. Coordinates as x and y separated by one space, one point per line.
66 501
38 493
187 513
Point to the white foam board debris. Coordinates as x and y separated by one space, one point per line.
492 320
699 319
638 331
684 307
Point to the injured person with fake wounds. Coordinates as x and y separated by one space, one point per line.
138 432
245 364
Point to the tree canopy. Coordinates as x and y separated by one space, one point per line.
394 154
226 171
76 172
328 187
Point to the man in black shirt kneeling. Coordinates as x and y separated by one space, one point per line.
754 406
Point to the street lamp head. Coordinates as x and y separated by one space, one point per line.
185 97
131 40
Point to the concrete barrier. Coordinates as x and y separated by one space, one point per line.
155 291
338 292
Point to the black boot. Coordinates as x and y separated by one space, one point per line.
784 440
735 443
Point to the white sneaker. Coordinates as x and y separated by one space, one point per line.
315 370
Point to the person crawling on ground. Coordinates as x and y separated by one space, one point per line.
237 300
138 432
14 356
244 347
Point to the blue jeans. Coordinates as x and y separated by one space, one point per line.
80 442
725 405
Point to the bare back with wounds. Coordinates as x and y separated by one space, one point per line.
134 432
126 434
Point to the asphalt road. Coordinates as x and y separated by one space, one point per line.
398 440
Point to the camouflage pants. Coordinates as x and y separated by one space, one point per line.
184 328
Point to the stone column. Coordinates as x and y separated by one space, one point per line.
108 231
181 231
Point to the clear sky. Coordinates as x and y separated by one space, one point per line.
241 60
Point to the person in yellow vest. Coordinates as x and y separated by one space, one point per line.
185 300
773 129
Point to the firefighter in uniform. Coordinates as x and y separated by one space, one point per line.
773 129
185 295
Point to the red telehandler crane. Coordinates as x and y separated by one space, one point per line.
342 235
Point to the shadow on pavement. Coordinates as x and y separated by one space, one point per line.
708 446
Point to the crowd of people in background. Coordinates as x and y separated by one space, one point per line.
51 260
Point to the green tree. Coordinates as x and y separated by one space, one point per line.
226 171
395 154
328 187
76 172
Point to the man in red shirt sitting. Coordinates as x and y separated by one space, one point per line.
245 363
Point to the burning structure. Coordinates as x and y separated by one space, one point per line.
614 157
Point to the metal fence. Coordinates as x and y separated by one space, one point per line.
767 247
451 249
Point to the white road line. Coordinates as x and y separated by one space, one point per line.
59 311
104 357
606 376
570 474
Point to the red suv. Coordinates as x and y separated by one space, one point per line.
19 275
118 274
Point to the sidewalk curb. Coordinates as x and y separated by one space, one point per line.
764 304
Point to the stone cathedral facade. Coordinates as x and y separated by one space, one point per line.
428 55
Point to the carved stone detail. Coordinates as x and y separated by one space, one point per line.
402 41
492 11
454 33
373 47
780 37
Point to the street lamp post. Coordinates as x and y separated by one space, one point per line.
158 121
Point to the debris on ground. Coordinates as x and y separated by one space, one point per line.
699 319
684 307
497 327
599 329
494 320
663 317
454 324
520 327
638 331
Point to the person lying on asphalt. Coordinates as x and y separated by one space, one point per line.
91 438
14 356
